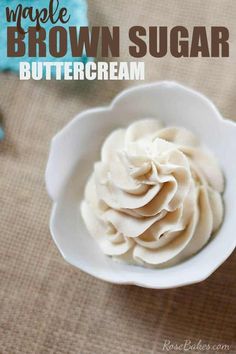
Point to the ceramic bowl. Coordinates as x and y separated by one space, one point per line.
77 146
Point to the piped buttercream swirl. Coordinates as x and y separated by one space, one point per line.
154 198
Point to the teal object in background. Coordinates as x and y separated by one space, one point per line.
77 9
2 134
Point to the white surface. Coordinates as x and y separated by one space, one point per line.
76 148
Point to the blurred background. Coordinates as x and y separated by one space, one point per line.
46 305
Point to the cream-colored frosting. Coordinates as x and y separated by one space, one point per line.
155 197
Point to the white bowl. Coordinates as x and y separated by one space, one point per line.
77 146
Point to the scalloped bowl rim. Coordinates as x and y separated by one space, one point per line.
197 277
